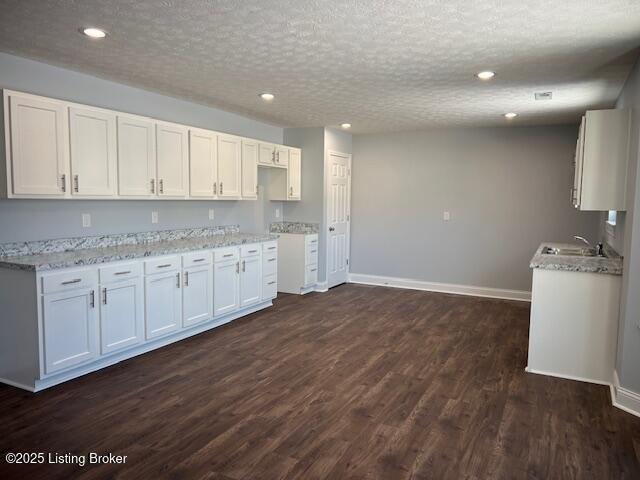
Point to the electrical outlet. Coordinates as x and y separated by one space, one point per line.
154 217
277 213
446 216
86 220
211 214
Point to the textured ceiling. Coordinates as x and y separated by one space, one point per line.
380 64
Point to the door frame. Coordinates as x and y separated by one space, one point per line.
325 221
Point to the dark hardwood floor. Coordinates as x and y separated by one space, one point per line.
360 382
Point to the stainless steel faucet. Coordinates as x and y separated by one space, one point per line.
582 239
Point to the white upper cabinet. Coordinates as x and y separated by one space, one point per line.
602 155
282 156
294 174
229 169
38 143
266 154
93 145
249 169
172 153
136 157
203 163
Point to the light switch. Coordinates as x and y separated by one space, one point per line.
154 217
86 220
211 214
277 213
446 216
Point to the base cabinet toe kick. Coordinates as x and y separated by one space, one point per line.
60 324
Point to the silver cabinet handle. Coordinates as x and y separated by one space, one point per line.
291 191
271 260
331 229
313 270
76 183
271 248
198 260
178 279
271 283
252 251
244 266
273 156
153 185
215 188
70 282
237 267
165 265
221 188
314 241
123 273
256 189
161 184
314 251
92 299
104 296
227 255
63 182
186 279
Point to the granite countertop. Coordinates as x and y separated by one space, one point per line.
299 228
611 264
92 256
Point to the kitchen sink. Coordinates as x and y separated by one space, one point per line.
572 251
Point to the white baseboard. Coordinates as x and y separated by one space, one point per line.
624 399
471 290
321 287
567 377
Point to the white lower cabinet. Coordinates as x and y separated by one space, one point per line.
251 280
70 321
226 287
121 314
163 304
91 317
197 295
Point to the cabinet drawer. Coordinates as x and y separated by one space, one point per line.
226 254
269 263
69 280
114 273
162 264
311 254
310 275
269 286
270 246
196 258
249 250
311 240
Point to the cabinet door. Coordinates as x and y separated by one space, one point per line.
163 304
197 295
226 286
229 166
250 280
203 163
282 156
136 157
249 169
294 175
93 152
266 154
172 160
576 191
39 157
70 329
121 315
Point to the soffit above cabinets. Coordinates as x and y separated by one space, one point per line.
379 65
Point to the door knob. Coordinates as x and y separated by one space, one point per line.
331 229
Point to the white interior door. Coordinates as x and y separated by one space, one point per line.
338 217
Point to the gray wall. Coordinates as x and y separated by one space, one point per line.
38 219
506 189
628 361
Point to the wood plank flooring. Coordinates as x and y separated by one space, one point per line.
361 382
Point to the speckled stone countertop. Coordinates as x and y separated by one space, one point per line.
300 228
611 264
202 240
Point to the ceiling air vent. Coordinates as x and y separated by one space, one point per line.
543 95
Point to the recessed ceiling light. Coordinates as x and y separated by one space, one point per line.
510 115
486 75
267 97
94 32
345 125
